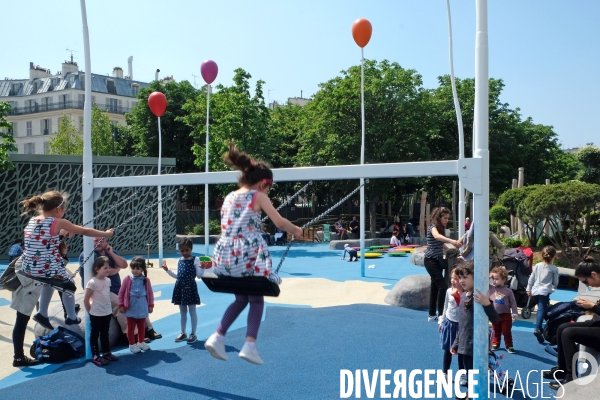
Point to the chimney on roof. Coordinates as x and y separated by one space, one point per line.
35 71
69 66
130 67
117 72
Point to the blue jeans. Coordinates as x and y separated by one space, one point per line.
543 301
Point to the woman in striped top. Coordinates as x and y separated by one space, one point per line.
434 260
41 255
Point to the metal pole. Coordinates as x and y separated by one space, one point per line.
87 179
461 134
206 221
160 225
362 162
481 200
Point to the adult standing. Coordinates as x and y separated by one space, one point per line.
434 260
117 263
586 333
23 302
354 228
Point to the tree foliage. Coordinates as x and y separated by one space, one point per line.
512 199
589 157
67 139
568 207
7 142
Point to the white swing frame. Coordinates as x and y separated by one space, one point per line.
473 173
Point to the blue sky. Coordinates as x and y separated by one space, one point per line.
546 51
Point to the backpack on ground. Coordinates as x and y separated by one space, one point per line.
59 346
558 314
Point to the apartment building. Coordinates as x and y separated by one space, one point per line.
39 103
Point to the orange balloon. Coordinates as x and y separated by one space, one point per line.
361 32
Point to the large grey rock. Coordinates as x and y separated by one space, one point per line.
417 257
56 315
410 292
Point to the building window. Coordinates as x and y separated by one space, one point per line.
110 86
46 126
46 147
29 148
29 128
135 89
46 103
63 100
113 106
14 129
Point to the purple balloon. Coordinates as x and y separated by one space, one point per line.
209 71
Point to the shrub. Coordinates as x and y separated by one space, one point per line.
499 213
214 228
544 241
494 226
512 243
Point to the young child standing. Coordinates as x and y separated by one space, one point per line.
136 301
542 282
506 307
448 321
41 255
242 252
463 344
185 293
100 310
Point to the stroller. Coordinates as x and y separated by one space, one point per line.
516 263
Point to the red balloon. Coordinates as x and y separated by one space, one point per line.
157 103
361 32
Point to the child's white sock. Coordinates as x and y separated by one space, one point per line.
252 345
220 337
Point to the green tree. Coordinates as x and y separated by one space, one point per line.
569 208
102 130
396 107
235 115
7 142
512 199
67 139
589 156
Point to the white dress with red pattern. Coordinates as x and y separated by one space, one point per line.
241 251
41 256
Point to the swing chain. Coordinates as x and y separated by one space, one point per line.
290 199
309 223
126 222
115 206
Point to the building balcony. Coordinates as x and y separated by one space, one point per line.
67 105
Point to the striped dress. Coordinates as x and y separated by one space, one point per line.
41 256
241 251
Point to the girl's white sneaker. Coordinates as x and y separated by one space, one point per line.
143 346
134 348
216 347
250 354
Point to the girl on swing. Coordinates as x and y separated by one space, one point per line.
241 251
42 257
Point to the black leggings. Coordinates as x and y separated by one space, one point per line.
435 267
100 327
18 334
447 361
586 333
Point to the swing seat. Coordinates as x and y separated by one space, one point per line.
62 285
254 285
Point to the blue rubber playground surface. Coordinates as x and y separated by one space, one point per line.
303 347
